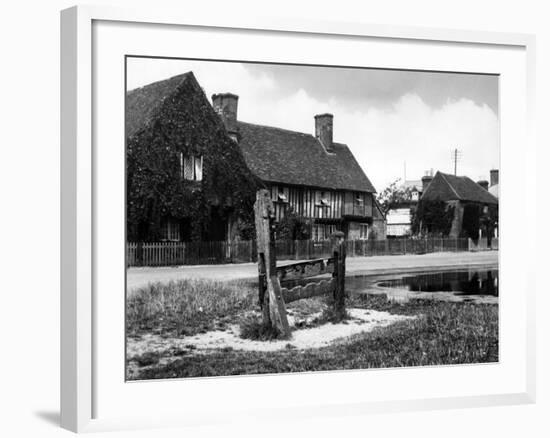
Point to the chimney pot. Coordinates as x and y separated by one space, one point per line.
494 177
484 183
323 130
226 105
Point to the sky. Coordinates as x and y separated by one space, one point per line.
399 124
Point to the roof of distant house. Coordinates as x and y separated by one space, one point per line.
494 190
412 184
446 187
282 156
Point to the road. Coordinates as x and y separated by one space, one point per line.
139 277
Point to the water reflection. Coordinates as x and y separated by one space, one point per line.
460 282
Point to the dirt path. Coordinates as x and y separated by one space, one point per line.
139 277
361 321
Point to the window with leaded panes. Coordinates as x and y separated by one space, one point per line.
190 167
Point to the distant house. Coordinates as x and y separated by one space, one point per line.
400 214
193 169
471 201
311 175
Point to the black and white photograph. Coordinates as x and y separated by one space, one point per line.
287 218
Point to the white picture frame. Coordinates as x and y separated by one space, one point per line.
81 365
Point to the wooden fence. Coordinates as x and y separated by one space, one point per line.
203 253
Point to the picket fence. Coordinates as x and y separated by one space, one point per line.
202 253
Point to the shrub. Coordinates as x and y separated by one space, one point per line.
252 327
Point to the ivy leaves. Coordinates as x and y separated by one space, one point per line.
184 123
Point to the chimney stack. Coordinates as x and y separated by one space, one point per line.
226 105
426 180
323 130
494 177
484 183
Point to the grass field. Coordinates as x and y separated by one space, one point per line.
187 307
442 333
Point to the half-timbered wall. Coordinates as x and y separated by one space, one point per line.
320 204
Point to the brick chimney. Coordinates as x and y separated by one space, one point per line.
494 177
323 130
427 179
226 105
484 183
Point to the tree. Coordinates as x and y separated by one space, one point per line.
433 218
393 194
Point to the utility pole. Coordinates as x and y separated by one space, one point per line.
456 158
456 155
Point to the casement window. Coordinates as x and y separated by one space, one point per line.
190 167
363 231
322 231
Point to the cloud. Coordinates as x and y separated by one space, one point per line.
360 87
383 136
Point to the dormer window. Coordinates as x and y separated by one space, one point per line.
191 167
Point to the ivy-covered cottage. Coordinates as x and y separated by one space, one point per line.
186 179
193 169
310 176
474 210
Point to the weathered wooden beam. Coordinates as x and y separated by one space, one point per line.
277 308
272 303
310 268
339 274
323 287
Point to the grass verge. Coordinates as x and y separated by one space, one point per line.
187 307
443 333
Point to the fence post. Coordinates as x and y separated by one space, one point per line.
139 254
339 251
272 303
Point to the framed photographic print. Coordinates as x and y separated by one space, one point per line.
299 218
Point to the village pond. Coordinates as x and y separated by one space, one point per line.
476 284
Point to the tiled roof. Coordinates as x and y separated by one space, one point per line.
446 187
142 103
273 154
283 156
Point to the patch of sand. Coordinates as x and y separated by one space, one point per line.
361 321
